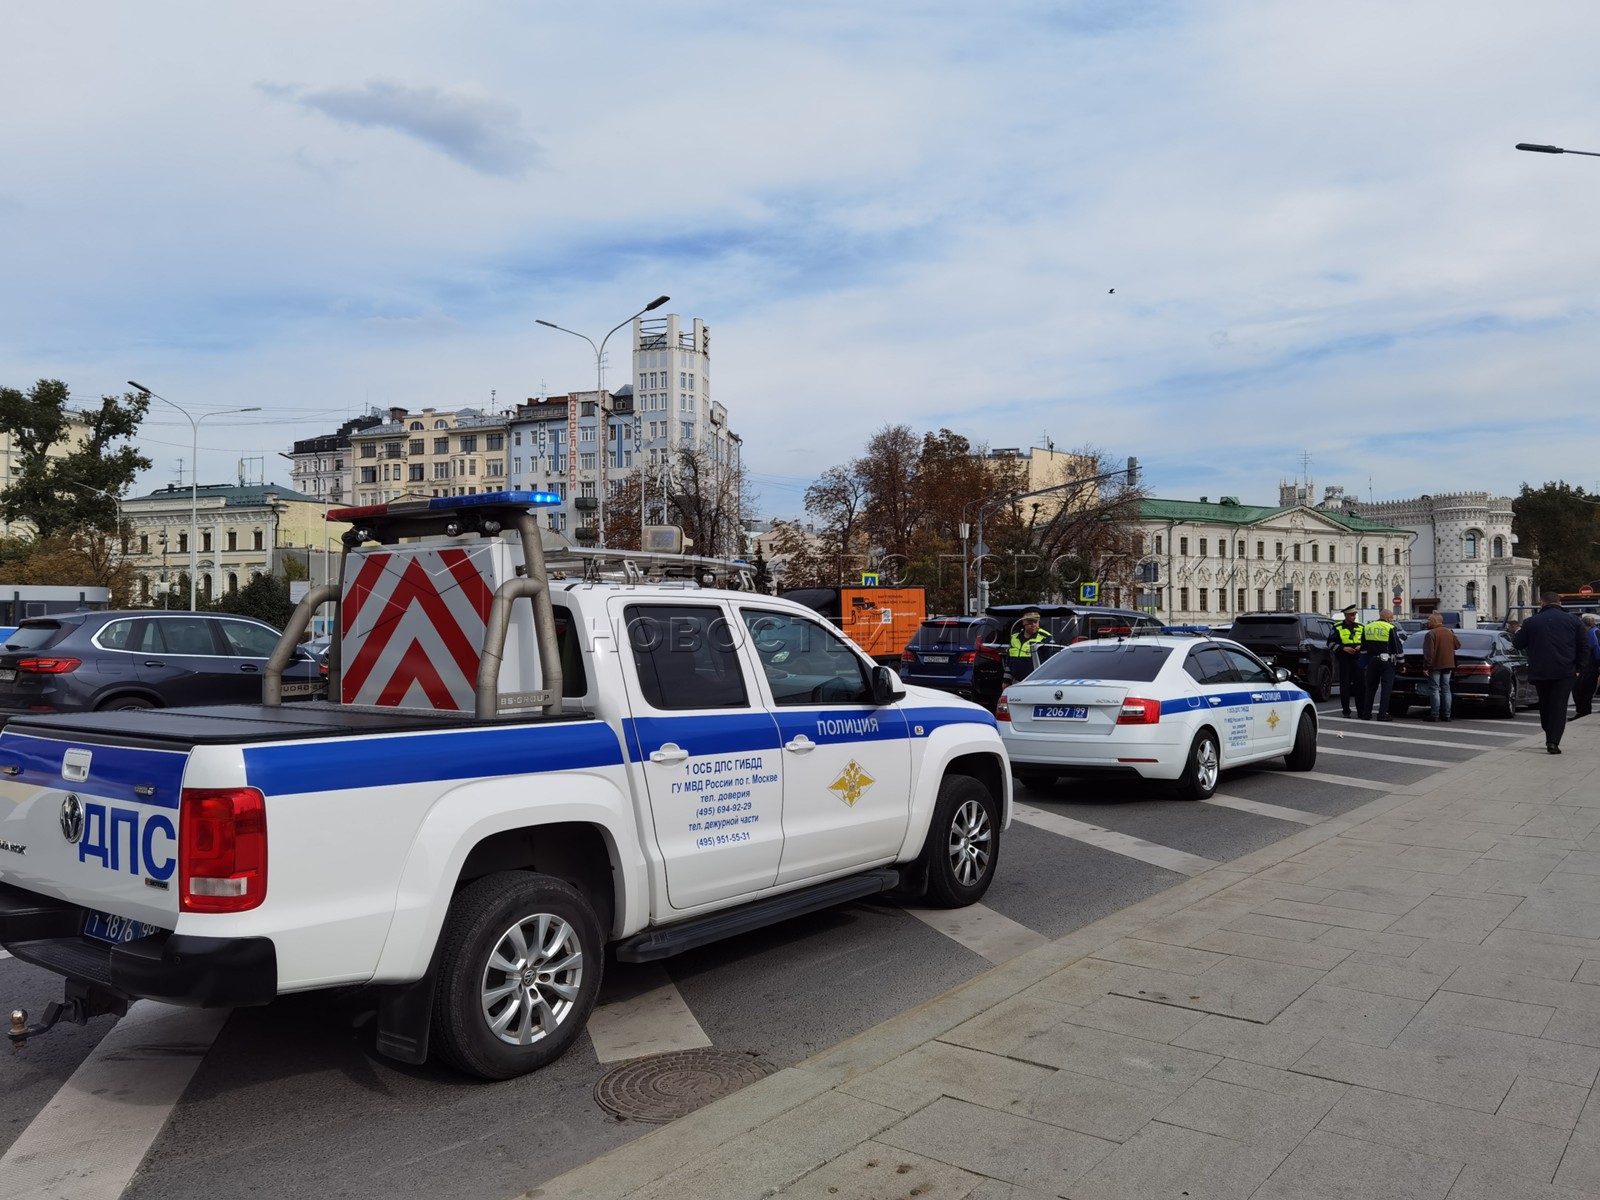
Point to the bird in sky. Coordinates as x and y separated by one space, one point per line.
1112 292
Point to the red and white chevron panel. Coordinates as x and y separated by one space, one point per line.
412 622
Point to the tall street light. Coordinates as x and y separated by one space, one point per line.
194 476
604 417
1555 150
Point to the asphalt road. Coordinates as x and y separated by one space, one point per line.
290 1100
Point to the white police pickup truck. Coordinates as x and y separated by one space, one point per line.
510 773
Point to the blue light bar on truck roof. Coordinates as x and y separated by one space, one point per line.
440 504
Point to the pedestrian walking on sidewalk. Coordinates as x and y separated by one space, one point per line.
1439 646
1557 646
1345 642
1583 690
1384 644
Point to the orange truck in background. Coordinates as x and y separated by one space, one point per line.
881 620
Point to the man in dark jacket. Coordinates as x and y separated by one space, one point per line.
1557 647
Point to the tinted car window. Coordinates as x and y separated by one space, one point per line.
804 662
248 641
1247 669
1130 661
1206 664
1266 626
35 635
186 635
933 635
686 657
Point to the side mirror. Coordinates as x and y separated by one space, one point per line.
1282 675
885 686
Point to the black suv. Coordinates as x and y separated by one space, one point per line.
1298 641
75 662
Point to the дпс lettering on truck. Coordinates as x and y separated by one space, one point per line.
511 775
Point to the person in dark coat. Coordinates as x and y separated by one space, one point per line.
1557 646
1583 691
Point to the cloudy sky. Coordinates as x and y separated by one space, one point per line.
1320 238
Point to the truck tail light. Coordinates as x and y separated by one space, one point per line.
1138 711
1002 708
49 666
222 849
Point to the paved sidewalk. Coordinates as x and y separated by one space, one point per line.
1402 1002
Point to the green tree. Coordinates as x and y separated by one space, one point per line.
265 598
61 484
1556 524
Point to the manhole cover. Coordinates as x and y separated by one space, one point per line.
670 1086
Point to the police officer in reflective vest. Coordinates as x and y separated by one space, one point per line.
1022 643
1384 645
1346 646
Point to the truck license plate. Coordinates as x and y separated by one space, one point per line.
1060 712
104 927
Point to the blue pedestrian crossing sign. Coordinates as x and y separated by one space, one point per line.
1088 593
869 579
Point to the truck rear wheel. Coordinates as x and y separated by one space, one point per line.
963 845
520 961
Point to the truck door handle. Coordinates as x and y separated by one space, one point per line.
800 744
670 753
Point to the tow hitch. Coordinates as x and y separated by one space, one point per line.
73 1009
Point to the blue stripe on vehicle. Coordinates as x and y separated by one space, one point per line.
937 718
375 761
1183 704
114 771
718 733
838 726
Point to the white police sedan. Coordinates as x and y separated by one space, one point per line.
1173 707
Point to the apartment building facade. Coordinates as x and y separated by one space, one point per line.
435 452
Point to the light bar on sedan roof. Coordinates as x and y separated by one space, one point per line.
443 504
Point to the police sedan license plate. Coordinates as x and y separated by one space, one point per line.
104 927
938 658
1060 712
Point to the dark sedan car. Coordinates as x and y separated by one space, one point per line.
141 659
957 654
1491 674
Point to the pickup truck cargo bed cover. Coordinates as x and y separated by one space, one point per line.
235 724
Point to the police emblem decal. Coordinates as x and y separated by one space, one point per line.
72 818
852 783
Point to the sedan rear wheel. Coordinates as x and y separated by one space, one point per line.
1304 755
1199 779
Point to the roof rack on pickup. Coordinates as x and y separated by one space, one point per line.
646 566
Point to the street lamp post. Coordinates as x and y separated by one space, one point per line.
603 414
194 475
1555 150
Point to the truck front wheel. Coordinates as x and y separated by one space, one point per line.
963 845
520 961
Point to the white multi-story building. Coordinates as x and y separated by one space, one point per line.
1465 554
453 452
1216 560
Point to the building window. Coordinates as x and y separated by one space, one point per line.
1472 595
1183 599
416 472
1158 543
494 441
1183 547
441 445
1278 549
1499 547
586 434
416 445
1261 549
1261 599
1332 556
1472 545
587 462
255 539
1296 549
183 543
144 548
205 541
1314 601
1241 599
233 582
369 474
391 449
1203 547
1363 558
472 469
1222 599
415 425
441 424
469 443
1366 599
369 449
233 539
1380 556
1138 543
1316 556
1203 592
441 470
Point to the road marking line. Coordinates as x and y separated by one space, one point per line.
1375 785
1118 843
1412 741
1276 811
982 930
1333 715
90 1139
655 1021
1398 758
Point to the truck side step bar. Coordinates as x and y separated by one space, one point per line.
654 944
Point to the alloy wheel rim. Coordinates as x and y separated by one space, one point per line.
970 836
532 979
1206 762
